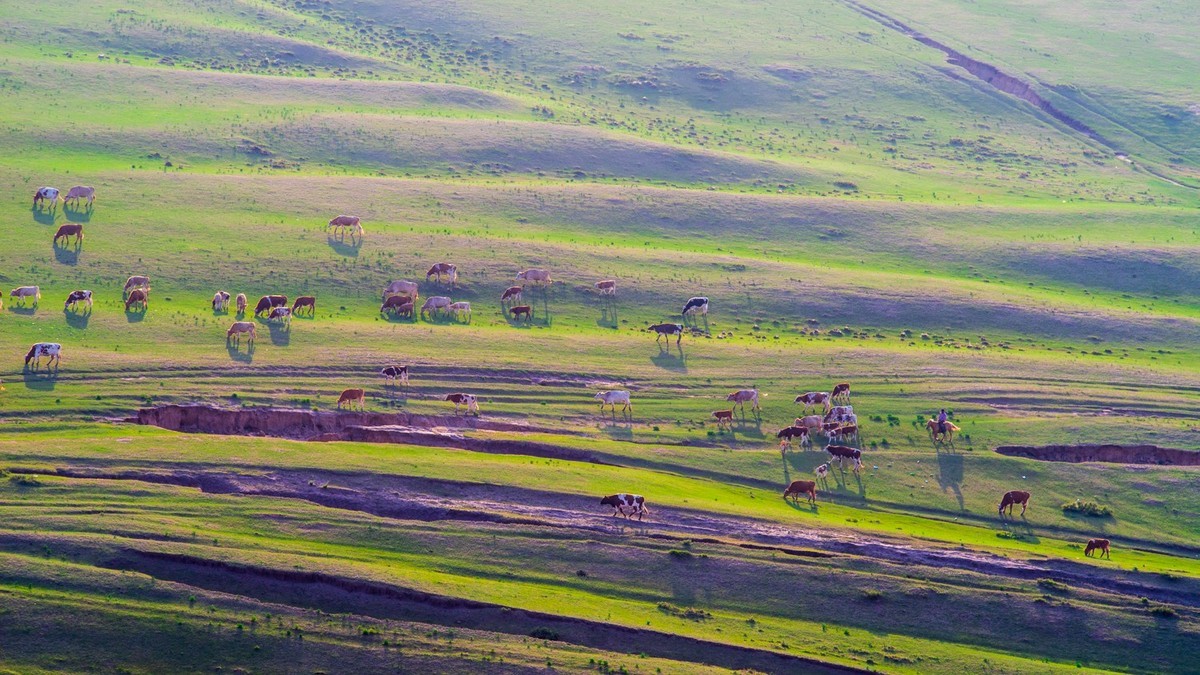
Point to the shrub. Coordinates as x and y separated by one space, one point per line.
1164 611
543 633
689 613
873 594
680 555
1088 508
25 481
1052 585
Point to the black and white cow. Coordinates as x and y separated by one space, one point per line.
667 330
52 350
696 305
395 373
77 297
636 505
460 399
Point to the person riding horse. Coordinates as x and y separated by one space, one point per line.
941 421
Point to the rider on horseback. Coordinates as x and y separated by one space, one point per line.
941 421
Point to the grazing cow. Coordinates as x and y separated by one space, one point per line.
1097 545
401 287
238 328
450 270
696 305
724 418
460 399
353 397
45 194
406 310
536 276
840 453
281 314
303 301
838 411
241 303
52 350
22 292
1014 497
393 303
813 422
137 281
844 432
460 308
80 192
521 310
667 330
635 503
614 397
434 303
393 373
269 302
607 287
68 230
76 297
741 396
812 398
220 301
841 392
936 435
342 223
511 294
802 487
140 297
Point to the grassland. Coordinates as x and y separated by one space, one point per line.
855 208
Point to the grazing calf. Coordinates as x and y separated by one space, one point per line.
220 301
238 328
137 281
802 487
281 314
822 471
435 303
521 310
635 503
438 269
841 392
460 308
406 310
612 398
1097 545
724 418
812 398
138 297
400 287
393 374
76 297
303 301
536 276
461 399
696 305
269 302
51 350
667 330
511 294
741 396
393 303
68 230
1013 497
80 192
840 453
45 194
241 303
353 397
607 287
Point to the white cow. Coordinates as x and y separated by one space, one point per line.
400 287
460 308
53 350
612 398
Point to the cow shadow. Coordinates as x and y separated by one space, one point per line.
696 323
135 315
343 248
667 360
950 475
67 254
281 333
617 430
40 379
1018 527
75 214
750 427
23 310
396 317
608 315
236 353
221 312
45 216
801 503
77 320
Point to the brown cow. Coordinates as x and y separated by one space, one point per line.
724 418
740 397
607 287
840 453
268 302
238 328
303 301
512 294
841 392
67 231
786 435
342 223
353 397
438 269
241 303
406 310
393 303
1097 544
1014 497
522 310
802 487
137 296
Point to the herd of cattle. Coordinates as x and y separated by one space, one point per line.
836 421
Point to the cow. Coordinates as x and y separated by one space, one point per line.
844 432
460 308
724 418
406 310
741 396
80 192
220 301
667 330
237 328
342 223
400 287
393 303
136 281
837 411
607 287
460 399
841 392
51 350
1098 545
536 276
241 303
1014 497
521 310
269 302
395 373
813 422
438 269
612 398
281 314
353 397
802 487
22 292
635 503
76 297
696 305
786 435
511 294
822 472
303 301
434 303
68 230
138 296
812 398
45 194
841 453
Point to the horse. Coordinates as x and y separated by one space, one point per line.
68 230
53 350
1097 544
438 269
1014 497
937 436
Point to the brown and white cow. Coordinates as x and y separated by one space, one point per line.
77 297
812 399
438 269
309 301
80 192
802 487
636 505
353 397
724 418
220 301
607 287
667 330
241 303
521 311
1013 497
140 297
282 315
844 433
68 230
511 294
51 350
838 411
395 373
269 302
239 328
342 223
843 453
535 275
45 194
137 281
401 287
393 303
460 399
786 435
841 392
741 396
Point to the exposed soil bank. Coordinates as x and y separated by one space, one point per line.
1116 454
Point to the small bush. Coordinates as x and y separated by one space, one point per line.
1052 585
1088 508
543 633
680 555
873 594
25 481
1164 612
690 613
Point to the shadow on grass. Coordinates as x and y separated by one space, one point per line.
608 315
670 361
1018 528
45 216
75 214
23 310
135 315
67 255
40 379
281 333
950 475
619 432
77 320
235 351
343 248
